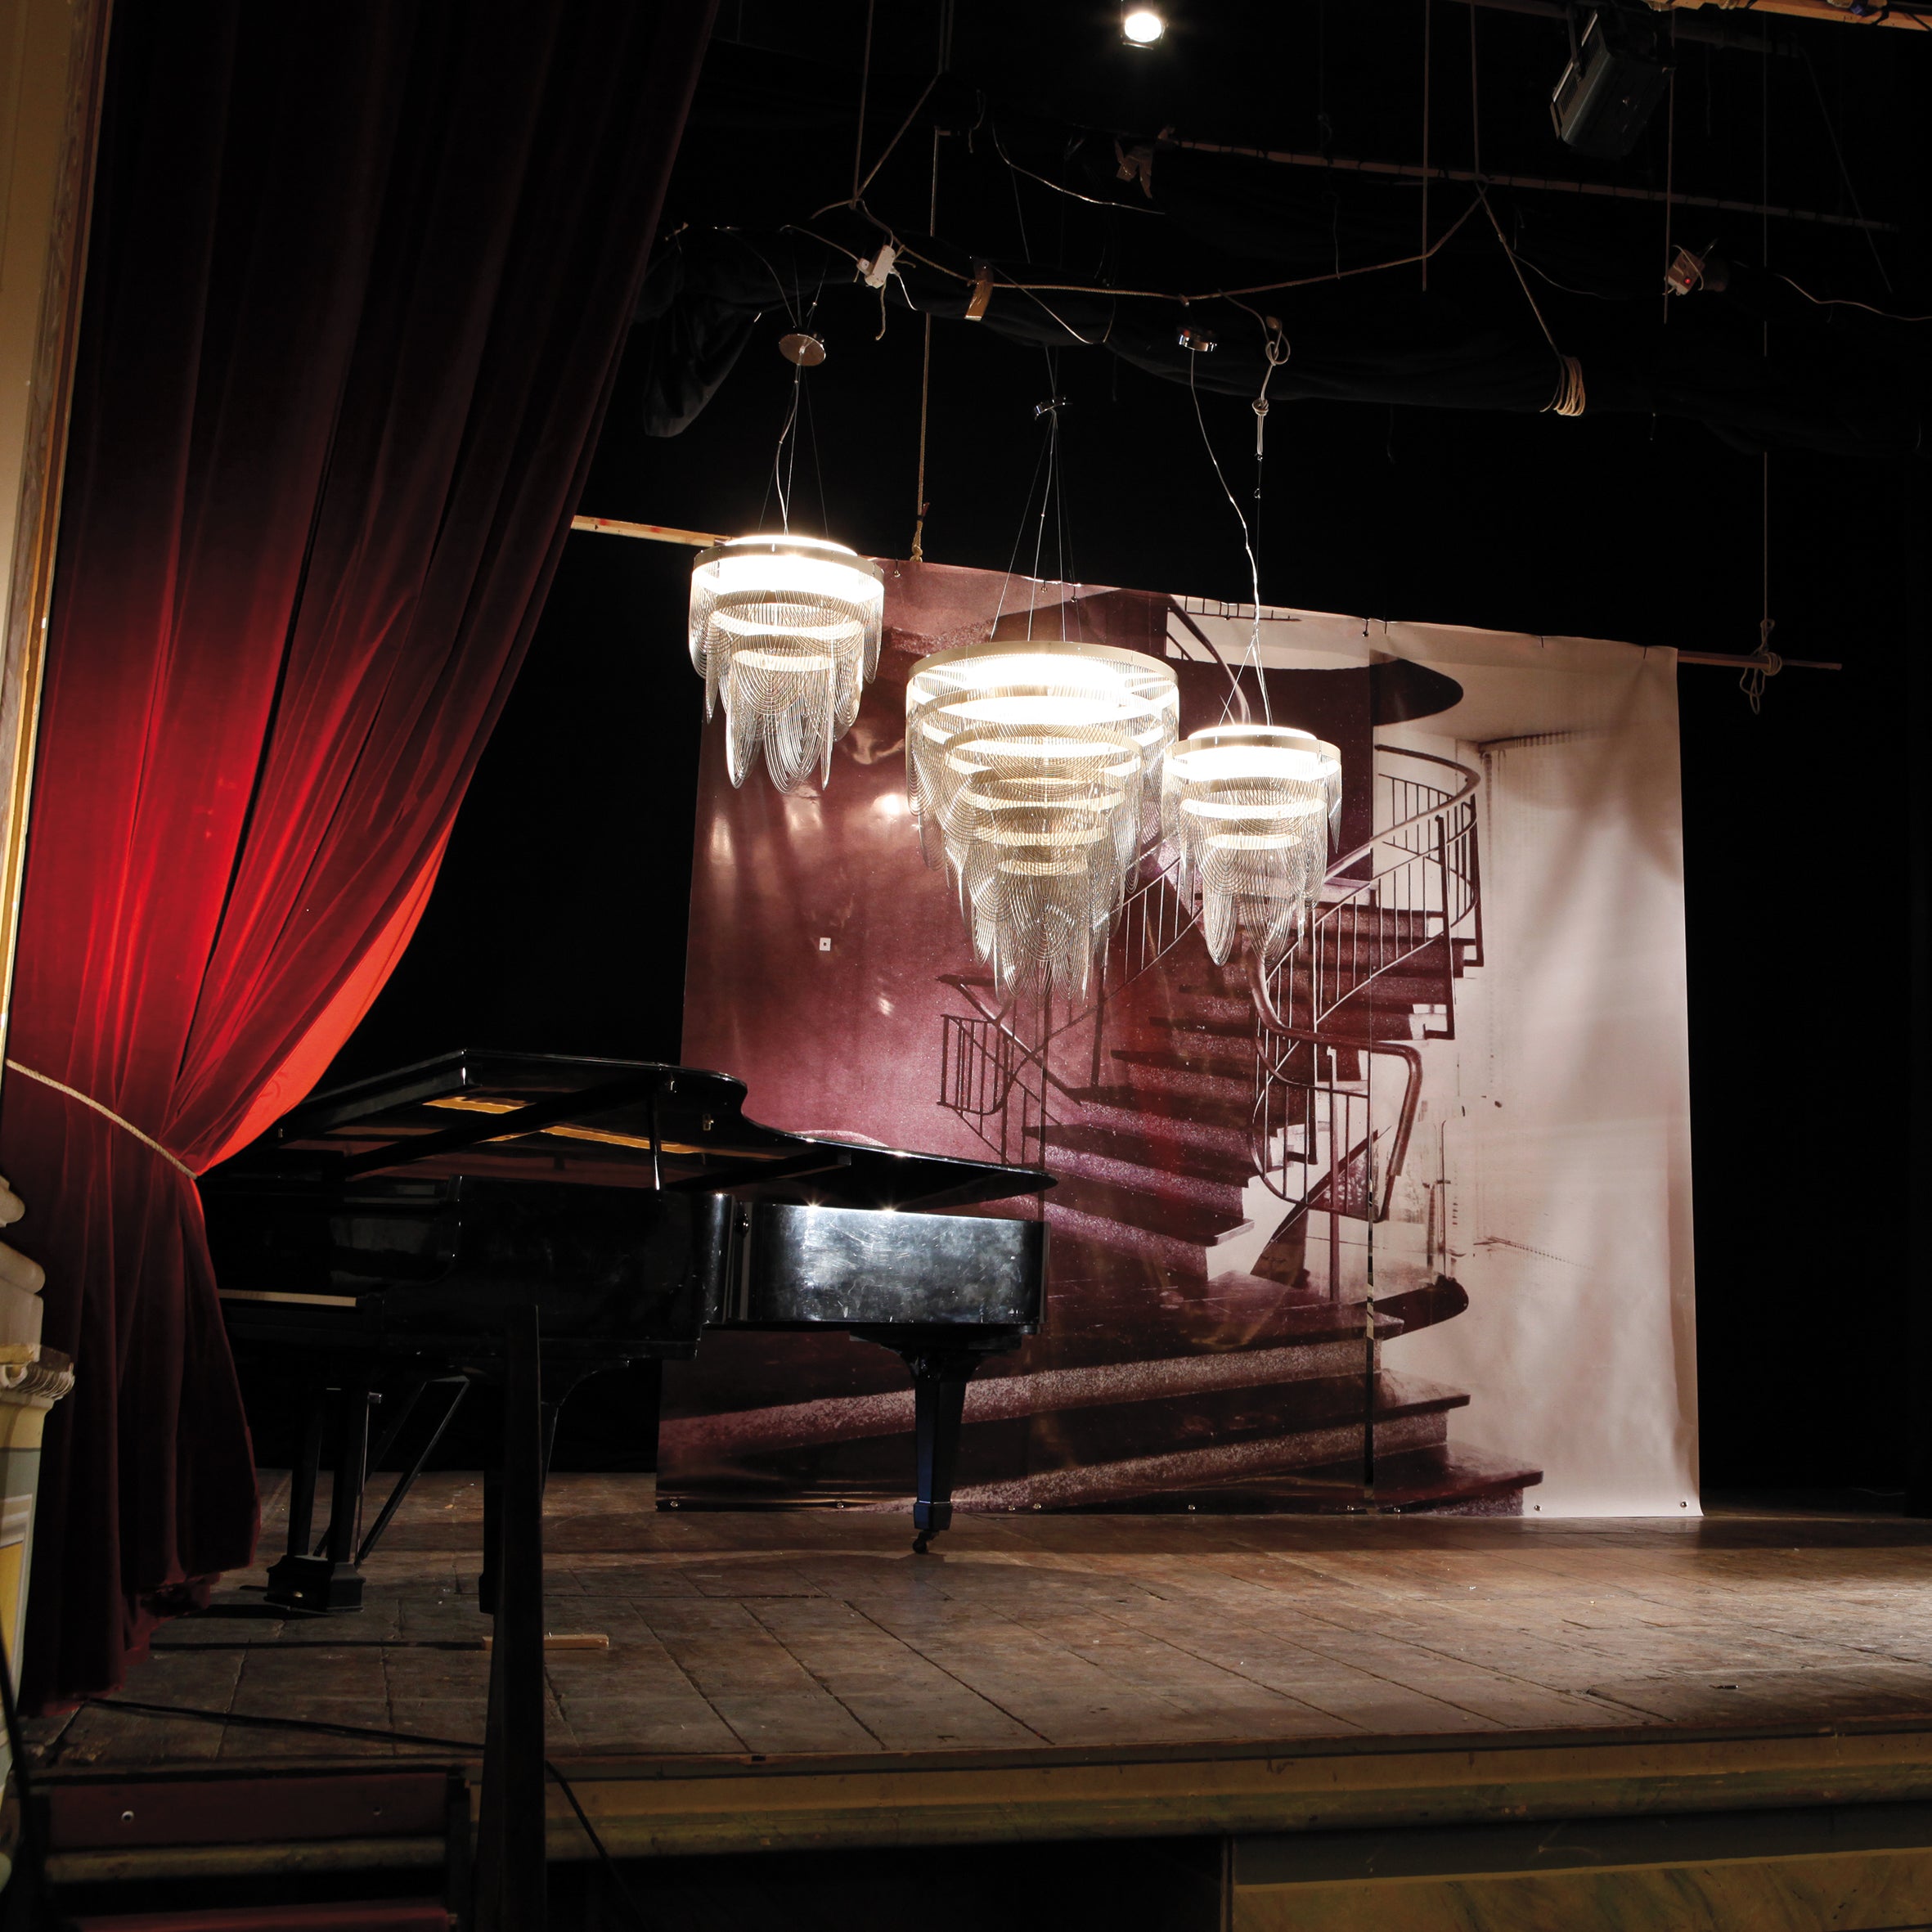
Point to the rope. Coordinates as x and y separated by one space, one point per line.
1569 397
1765 662
106 1112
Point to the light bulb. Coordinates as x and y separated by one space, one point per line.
1142 26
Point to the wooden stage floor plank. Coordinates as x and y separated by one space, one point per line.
793 1635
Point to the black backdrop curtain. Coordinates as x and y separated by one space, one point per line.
359 280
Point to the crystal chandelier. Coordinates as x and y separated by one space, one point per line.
1031 767
786 629
1250 811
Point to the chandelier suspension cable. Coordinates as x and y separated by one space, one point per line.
1019 535
781 470
1053 454
784 457
1254 646
818 467
1052 494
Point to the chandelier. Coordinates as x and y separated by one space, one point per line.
1031 768
1251 812
786 630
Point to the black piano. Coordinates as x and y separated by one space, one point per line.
488 1219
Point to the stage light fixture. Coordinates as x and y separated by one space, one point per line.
786 630
1141 26
1615 78
1031 768
1251 812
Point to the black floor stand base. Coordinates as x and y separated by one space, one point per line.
314 1585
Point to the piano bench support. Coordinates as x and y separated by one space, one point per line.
941 1361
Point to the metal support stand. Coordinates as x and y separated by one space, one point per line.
494 1556
329 1582
511 1847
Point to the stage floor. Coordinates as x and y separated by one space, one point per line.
785 1633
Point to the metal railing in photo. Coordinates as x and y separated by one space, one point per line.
1000 1082
1392 941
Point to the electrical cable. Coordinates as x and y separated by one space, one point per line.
1846 302
1072 194
1073 288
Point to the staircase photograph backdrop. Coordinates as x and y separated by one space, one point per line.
1401 1222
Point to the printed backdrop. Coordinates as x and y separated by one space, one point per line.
1478 1114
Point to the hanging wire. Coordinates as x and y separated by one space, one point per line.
1428 26
818 468
1845 174
1569 397
1669 164
1019 536
784 457
1082 288
918 518
865 83
1476 119
1766 663
1253 644
781 476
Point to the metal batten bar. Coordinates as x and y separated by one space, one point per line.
652 533
1606 191
662 533
1712 31
1731 661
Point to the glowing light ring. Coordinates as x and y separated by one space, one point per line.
1251 813
1033 770
786 630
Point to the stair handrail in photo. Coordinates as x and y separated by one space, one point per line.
1437 885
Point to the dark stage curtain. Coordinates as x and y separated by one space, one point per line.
359 278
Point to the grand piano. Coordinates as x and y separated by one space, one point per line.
508 1221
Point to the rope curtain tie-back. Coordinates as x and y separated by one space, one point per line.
105 1113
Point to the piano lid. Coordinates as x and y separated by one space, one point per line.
621 1123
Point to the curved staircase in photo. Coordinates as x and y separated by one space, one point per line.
1156 1112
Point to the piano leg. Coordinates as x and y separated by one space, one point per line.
939 1404
941 1361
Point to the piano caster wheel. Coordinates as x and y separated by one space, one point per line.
921 1544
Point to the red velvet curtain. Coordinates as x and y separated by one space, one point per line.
359 278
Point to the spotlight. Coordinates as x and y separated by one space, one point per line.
1614 79
1141 26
